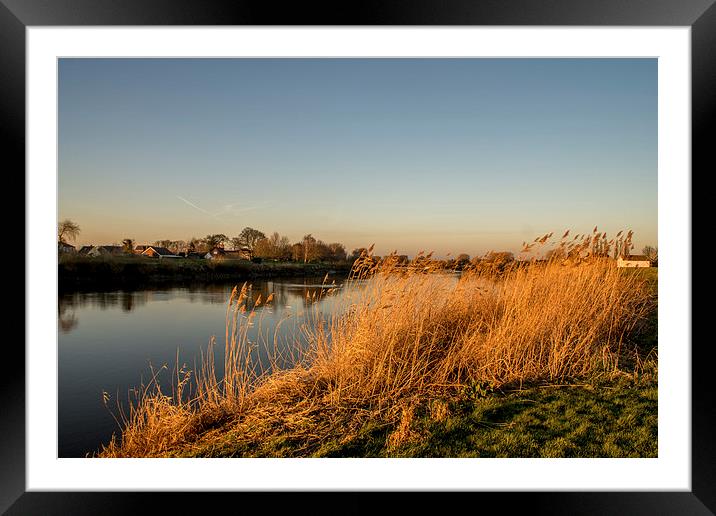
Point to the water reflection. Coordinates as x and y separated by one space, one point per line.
66 317
305 292
108 339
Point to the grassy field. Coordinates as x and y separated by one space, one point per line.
547 360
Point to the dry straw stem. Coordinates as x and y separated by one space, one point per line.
411 332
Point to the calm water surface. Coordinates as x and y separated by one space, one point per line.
107 341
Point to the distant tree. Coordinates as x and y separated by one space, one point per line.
178 246
275 247
499 257
163 243
652 253
284 247
280 245
194 245
336 252
321 252
128 245
297 252
67 230
264 249
309 248
211 241
356 253
248 239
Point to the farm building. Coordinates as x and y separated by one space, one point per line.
634 260
101 250
157 252
219 253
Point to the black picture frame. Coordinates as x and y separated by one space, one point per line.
16 15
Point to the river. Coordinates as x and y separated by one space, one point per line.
107 341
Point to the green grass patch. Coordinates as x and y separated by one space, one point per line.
616 418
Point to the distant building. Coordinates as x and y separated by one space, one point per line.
102 250
85 249
63 247
219 253
216 252
157 252
634 260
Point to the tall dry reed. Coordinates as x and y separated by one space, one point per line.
410 333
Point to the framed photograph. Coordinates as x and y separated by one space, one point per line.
383 249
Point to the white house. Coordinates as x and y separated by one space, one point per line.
102 250
634 260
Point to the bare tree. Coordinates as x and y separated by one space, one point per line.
309 247
297 252
337 252
284 248
357 253
195 245
650 252
178 246
275 247
67 230
248 239
163 243
211 241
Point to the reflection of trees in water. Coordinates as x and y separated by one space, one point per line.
128 301
286 292
104 300
68 322
66 318
305 292
296 293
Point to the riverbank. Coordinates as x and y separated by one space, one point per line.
614 417
132 272
538 361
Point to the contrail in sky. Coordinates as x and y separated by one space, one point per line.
228 209
197 207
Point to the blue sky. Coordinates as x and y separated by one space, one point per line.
450 155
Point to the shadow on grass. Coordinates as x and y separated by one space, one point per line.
610 420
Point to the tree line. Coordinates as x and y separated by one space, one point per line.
310 249
251 241
257 245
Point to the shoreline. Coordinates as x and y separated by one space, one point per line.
129 272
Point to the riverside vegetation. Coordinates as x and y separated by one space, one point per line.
552 358
135 271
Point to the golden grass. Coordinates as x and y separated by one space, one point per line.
411 333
